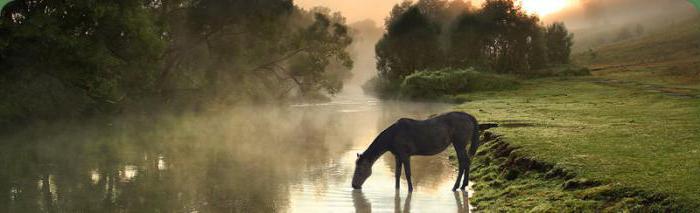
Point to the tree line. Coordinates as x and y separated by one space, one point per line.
78 56
497 37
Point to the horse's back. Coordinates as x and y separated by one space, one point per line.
421 137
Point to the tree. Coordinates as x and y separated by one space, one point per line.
268 50
109 50
537 55
559 42
434 10
93 56
467 41
457 8
410 44
397 11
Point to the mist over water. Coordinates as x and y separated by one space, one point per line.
295 158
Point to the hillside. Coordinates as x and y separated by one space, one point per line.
666 56
627 136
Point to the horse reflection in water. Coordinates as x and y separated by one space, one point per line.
406 204
363 205
360 202
462 199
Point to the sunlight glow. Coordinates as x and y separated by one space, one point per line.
544 7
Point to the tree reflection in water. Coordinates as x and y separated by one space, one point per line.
230 162
244 160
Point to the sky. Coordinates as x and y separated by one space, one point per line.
355 10
377 10
575 13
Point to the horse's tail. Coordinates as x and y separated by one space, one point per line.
475 140
483 127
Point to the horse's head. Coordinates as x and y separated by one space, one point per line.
363 169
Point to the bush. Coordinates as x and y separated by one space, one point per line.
437 84
381 87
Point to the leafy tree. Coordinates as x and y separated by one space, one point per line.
109 50
467 41
397 11
537 55
457 8
410 44
508 29
267 51
80 56
434 10
436 34
559 42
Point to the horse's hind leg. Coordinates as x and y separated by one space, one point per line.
407 168
461 158
466 173
474 144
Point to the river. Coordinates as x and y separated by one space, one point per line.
257 159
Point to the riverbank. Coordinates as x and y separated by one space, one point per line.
578 144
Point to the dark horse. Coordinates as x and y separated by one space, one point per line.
409 137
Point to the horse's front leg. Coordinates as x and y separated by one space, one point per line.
407 163
398 171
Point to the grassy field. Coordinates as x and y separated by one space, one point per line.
669 56
628 137
617 135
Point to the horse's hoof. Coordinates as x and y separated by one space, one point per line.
454 189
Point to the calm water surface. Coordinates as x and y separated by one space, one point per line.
298 158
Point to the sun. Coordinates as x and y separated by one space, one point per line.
544 7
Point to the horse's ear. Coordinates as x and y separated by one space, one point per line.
358 155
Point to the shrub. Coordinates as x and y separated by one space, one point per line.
437 84
381 87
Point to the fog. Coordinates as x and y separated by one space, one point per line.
257 158
599 22
580 13
601 13
237 158
246 159
366 34
592 21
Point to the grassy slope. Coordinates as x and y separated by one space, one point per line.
616 135
669 56
629 133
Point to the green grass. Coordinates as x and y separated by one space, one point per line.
631 128
620 136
